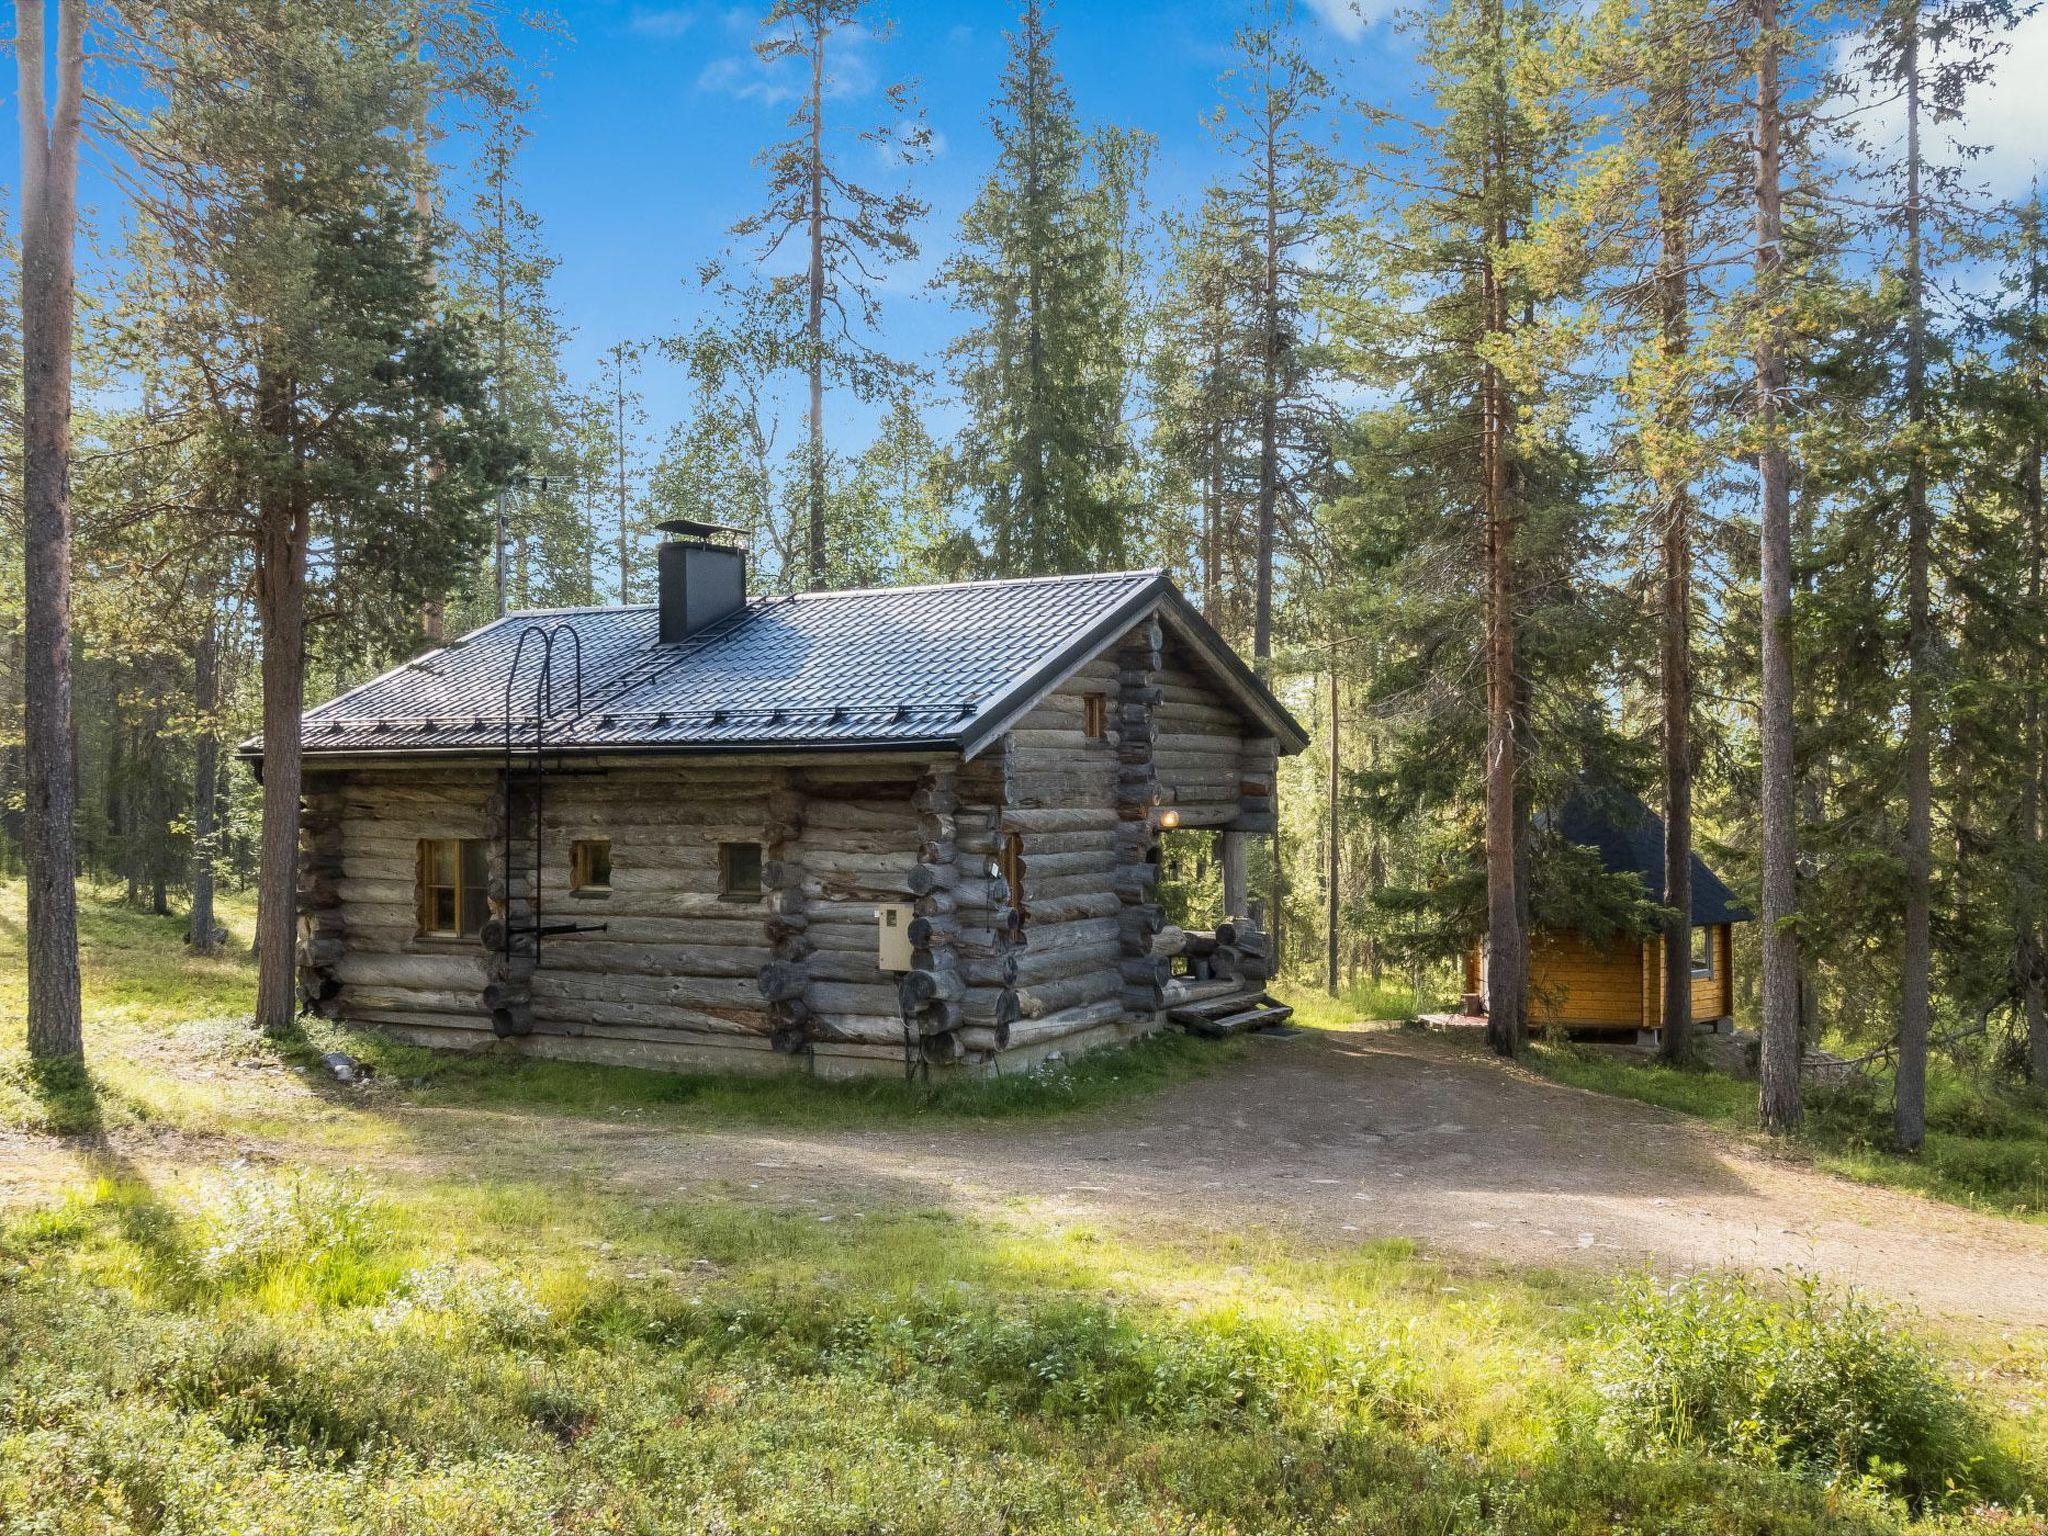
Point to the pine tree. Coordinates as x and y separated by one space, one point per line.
331 375
1040 459
850 232
1281 196
1204 368
1781 1044
1931 56
1480 533
50 133
1660 201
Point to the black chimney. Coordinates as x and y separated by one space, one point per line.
702 581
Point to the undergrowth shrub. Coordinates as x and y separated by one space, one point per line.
323 1239
1064 1359
1821 1382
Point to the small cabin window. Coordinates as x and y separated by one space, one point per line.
1703 952
590 866
739 869
1013 870
1095 716
453 886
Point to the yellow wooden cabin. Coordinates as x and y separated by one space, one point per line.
1576 984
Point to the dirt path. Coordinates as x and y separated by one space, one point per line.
1331 1137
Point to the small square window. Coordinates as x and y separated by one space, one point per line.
1095 716
590 865
739 869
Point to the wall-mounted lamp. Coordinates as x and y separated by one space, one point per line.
1169 819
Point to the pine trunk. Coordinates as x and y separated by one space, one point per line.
1909 1105
1506 967
1781 1045
281 615
199 924
2033 953
1269 410
814 328
1336 829
1675 1041
49 185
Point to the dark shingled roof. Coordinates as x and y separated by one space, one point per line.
1629 836
939 666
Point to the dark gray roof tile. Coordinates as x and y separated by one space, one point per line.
906 665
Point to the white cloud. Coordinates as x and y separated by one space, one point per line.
1349 18
850 72
668 22
2006 117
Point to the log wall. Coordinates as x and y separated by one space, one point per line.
681 972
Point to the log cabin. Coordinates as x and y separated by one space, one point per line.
1617 985
836 832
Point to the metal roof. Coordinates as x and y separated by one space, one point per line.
937 666
1629 837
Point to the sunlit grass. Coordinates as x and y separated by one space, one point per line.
1986 1146
236 1332
1390 998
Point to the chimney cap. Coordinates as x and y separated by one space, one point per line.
690 528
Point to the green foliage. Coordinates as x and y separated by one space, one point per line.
1823 1383
1042 370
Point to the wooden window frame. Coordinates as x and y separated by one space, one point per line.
1095 716
727 891
587 864
468 893
1703 968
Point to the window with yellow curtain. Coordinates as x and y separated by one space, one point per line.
454 886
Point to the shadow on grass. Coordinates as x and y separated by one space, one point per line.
73 1109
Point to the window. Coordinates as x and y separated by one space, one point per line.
454 885
1013 870
1095 716
739 869
590 866
1703 952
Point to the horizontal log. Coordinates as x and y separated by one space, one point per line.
826 997
595 952
1029 819
418 999
451 972
1066 1021
725 997
646 1016
1050 996
991 971
983 1037
987 1005
1041 935
1048 912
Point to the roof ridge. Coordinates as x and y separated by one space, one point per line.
1145 572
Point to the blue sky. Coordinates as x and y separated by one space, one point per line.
649 118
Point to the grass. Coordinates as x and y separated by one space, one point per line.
1986 1146
256 1349
152 1005
1387 998
228 1330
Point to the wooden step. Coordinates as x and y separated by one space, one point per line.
1262 1013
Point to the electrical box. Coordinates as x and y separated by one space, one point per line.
892 945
